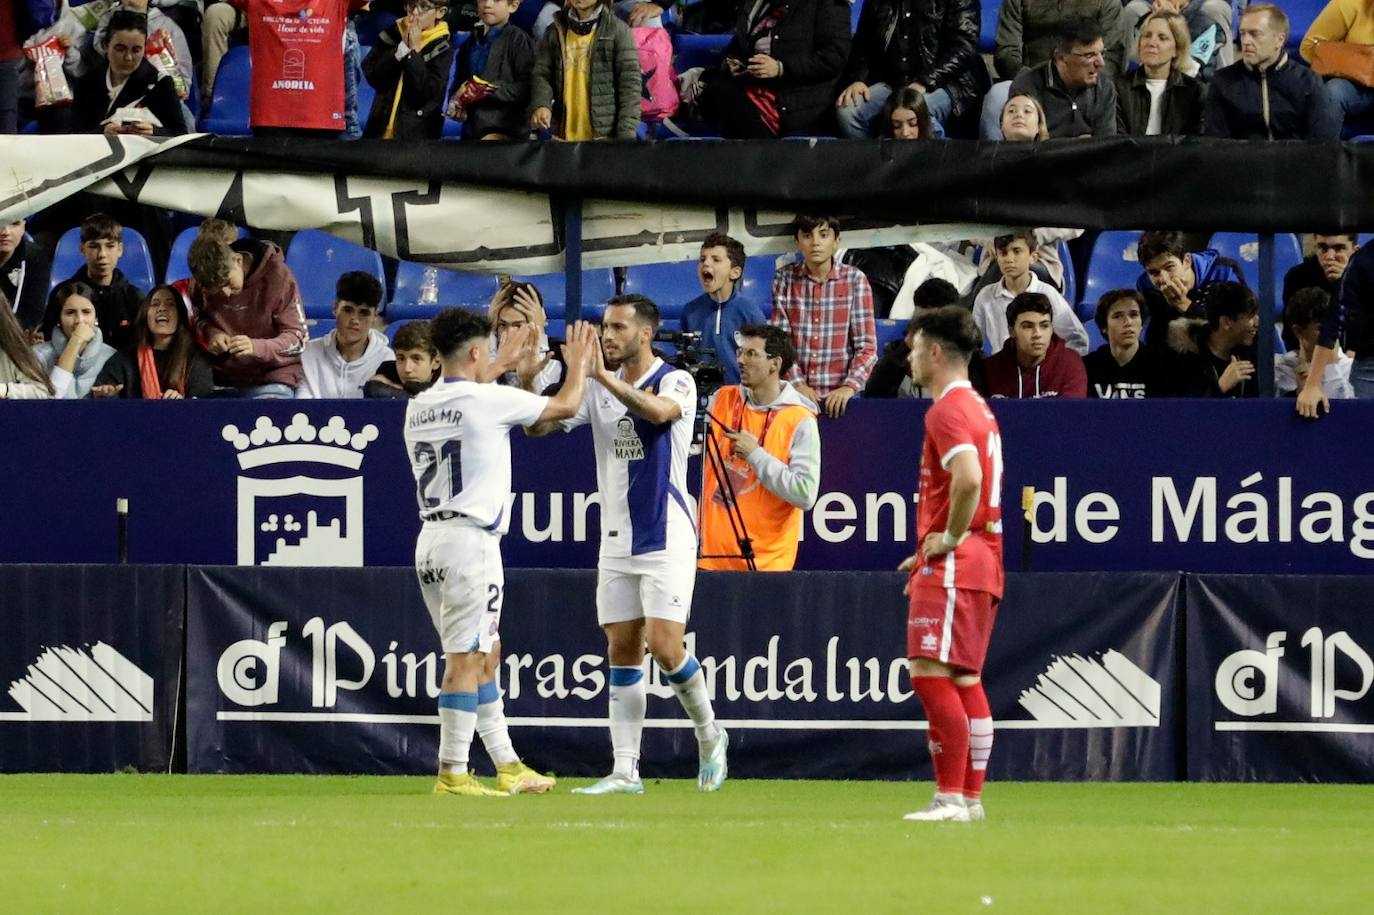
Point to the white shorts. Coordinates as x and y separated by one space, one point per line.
463 584
657 585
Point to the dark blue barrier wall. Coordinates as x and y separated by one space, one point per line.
330 671
90 658
1165 485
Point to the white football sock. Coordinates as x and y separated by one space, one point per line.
457 721
628 703
491 725
689 683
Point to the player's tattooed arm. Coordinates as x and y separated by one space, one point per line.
657 410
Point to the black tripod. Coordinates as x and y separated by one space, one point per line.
714 461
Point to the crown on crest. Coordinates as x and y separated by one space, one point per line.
300 442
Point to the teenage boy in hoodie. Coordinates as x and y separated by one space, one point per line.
248 315
339 364
722 308
1121 368
116 299
1174 278
1035 363
767 434
76 353
1217 355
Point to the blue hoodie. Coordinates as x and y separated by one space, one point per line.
1208 267
718 322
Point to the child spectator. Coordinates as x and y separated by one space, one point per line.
408 66
116 299
1023 119
1175 277
165 362
249 315
492 76
1303 315
21 375
24 275
1217 356
1034 362
1015 254
338 364
587 82
413 370
722 308
892 375
76 353
1121 368
827 306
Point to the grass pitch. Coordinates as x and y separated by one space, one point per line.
144 843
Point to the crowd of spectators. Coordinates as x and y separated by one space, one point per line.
236 327
588 69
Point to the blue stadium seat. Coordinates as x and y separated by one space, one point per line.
1095 339
888 330
856 8
228 112
1243 247
464 290
1111 265
320 327
1363 138
1070 274
392 328
136 264
318 259
698 51
597 286
177 268
366 96
671 286
987 34
556 329
1300 16
758 280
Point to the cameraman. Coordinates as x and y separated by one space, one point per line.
771 449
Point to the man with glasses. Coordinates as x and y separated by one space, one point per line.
1078 101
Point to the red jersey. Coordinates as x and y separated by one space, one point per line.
961 421
297 47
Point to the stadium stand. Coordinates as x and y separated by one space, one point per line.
227 115
671 286
465 290
1243 248
1111 265
597 286
317 259
177 268
136 264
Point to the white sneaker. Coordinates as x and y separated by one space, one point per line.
713 765
615 783
945 807
975 811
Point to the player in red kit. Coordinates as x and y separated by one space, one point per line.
956 573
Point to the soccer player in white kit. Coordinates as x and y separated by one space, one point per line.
641 411
457 434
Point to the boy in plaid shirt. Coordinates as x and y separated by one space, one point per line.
827 307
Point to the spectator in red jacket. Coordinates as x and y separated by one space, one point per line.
248 315
1034 362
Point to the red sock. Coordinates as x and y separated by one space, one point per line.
975 703
948 731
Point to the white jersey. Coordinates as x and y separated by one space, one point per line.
458 438
641 468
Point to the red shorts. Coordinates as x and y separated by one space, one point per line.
951 625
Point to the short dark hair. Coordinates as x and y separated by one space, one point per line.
1153 245
413 335
453 327
1028 302
127 21
1228 300
1306 306
360 287
646 312
952 327
1354 237
99 227
1110 298
776 342
1001 242
734 249
1075 31
933 293
810 222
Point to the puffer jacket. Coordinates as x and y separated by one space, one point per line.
943 45
615 82
1027 30
1181 105
811 41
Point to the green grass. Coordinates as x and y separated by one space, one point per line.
261 845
